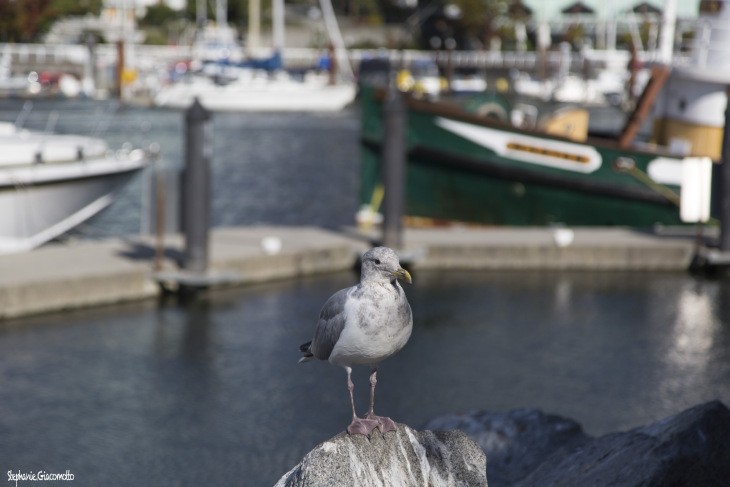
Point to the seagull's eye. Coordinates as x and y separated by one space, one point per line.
377 261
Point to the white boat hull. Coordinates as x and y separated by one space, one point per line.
40 203
51 183
259 95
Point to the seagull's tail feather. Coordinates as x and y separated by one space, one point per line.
308 355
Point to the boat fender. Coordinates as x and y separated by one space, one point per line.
79 153
38 158
492 110
623 164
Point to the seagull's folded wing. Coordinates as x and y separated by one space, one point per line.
330 325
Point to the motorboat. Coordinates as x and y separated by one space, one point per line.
50 183
483 161
227 82
258 90
465 167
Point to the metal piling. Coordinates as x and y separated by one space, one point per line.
394 167
196 188
724 183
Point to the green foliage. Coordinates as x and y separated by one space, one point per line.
155 36
7 25
27 20
24 21
159 14
237 10
76 7
477 15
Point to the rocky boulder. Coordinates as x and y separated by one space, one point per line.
404 457
528 448
516 442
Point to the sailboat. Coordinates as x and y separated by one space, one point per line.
247 86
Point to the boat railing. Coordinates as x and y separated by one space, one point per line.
23 115
709 45
148 55
51 121
87 147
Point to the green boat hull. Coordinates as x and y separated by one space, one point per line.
453 176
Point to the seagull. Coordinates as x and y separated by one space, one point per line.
364 325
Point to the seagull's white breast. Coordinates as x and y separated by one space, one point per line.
378 324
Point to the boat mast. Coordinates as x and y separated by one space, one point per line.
666 40
277 7
201 15
333 30
253 39
221 13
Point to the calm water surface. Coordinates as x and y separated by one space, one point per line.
212 392
267 168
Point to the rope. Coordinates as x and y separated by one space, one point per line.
644 178
670 195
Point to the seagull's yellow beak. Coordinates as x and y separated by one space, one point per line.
403 275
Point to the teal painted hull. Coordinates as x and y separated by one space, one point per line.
462 168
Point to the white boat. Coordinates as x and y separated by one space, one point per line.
11 85
257 90
228 85
51 183
607 88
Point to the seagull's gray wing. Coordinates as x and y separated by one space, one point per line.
330 325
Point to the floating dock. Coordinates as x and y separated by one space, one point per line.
549 248
81 273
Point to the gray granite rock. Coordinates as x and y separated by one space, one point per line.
516 442
689 449
404 457
527 448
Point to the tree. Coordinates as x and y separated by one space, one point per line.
7 24
32 18
26 20
236 12
459 24
77 7
477 17
158 15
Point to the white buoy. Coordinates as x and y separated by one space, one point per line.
271 245
563 237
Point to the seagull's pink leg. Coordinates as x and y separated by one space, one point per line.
385 424
358 426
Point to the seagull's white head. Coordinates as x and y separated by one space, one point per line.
382 264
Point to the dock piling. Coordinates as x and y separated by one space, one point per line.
119 81
724 183
394 167
196 188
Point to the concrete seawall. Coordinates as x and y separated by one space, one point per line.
89 273
542 248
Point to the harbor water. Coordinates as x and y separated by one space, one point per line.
290 169
210 392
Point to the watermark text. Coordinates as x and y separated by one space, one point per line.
39 476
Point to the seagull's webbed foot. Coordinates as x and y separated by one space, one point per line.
362 426
383 423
